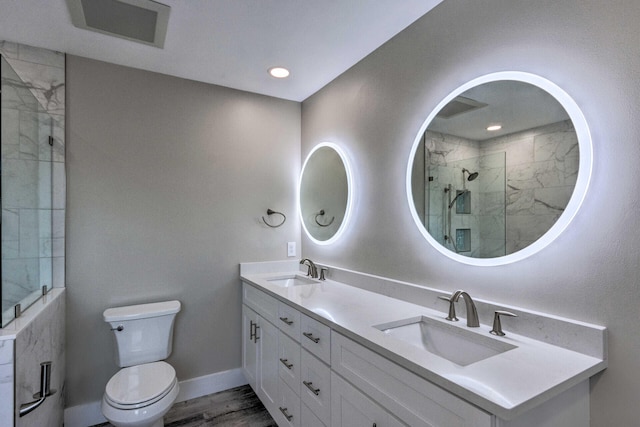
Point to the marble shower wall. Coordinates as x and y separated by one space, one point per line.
541 171
542 168
32 260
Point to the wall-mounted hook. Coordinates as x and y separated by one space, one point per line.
320 224
271 212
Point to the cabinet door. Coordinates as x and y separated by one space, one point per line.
267 340
351 408
249 347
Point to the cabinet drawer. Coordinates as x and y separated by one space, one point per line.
289 363
315 389
289 320
316 338
287 411
350 408
308 418
411 398
263 304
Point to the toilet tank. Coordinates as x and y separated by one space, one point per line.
143 332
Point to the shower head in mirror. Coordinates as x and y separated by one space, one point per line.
472 175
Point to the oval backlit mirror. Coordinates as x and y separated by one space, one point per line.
499 168
325 193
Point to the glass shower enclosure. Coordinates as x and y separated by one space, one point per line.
26 195
466 204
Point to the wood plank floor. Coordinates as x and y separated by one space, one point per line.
237 407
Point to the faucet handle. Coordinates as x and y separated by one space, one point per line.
497 324
452 309
322 270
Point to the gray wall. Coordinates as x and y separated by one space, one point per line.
587 47
167 182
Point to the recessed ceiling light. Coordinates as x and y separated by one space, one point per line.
493 128
279 72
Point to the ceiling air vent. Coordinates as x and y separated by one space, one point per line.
459 105
142 21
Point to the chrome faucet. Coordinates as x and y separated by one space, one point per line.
472 313
312 270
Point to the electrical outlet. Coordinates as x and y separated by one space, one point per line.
291 249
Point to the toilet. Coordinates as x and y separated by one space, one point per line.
142 392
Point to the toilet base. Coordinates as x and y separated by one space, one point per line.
142 417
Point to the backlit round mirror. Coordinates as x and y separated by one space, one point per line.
325 191
499 168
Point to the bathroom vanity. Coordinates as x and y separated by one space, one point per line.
327 353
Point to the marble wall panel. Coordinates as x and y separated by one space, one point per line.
42 340
6 382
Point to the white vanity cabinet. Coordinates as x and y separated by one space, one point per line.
310 375
349 369
293 381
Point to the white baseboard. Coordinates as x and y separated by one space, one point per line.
213 383
90 413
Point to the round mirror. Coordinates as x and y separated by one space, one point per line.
499 168
325 193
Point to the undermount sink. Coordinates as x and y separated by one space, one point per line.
451 342
293 280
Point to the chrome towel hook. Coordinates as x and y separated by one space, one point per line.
271 212
321 213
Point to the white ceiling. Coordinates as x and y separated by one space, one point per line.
231 42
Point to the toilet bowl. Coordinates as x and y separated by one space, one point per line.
142 392
140 396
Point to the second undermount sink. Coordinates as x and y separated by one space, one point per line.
448 341
292 280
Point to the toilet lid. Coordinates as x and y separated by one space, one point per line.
138 384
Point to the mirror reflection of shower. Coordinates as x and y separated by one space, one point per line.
465 203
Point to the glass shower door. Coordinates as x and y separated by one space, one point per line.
26 195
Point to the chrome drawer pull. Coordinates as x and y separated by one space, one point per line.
256 337
287 321
288 365
252 331
311 337
285 413
309 385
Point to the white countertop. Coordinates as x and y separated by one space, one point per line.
507 384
